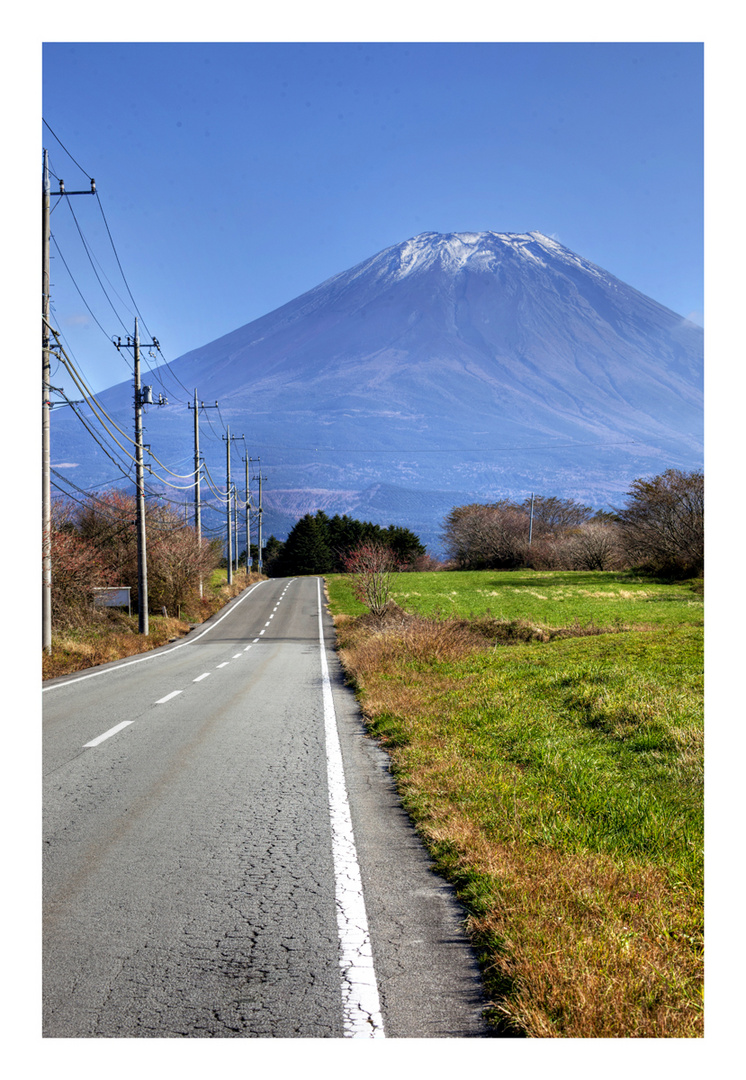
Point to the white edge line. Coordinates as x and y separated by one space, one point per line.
361 1008
108 734
155 653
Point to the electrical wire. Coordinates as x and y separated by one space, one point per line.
90 259
65 149
80 294
126 472
211 484
95 406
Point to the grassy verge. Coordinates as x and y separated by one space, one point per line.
101 636
547 741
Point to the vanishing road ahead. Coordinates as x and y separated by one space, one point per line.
224 853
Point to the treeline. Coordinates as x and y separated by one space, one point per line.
319 544
660 529
94 545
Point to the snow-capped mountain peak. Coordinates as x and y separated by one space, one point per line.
483 364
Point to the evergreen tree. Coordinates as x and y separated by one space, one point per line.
306 550
318 544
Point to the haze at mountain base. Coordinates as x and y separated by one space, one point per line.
446 369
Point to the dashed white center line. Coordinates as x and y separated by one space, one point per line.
236 656
247 648
163 700
201 677
224 664
108 734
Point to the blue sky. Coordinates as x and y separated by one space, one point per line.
235 176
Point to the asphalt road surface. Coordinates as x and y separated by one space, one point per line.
224 852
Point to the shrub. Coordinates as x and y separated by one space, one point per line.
662 525
102 533
371 567
78 568
595 546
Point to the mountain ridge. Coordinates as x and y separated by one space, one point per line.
480 364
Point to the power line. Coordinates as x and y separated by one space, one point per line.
90 259
80 294
65 149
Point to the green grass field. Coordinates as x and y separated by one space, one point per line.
558 783
552 598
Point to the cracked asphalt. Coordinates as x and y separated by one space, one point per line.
190 886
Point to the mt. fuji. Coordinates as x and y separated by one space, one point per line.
446 369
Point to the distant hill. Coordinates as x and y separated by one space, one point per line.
446 369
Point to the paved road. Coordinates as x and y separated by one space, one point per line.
224 853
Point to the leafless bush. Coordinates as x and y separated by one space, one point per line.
595 546
371 568
103 529
77 569
507 535
481 536
662 525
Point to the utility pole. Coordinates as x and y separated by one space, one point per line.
259 561
229 561
235 526
46 476
197 473
248 501
46 460
197 467
531 520
143 396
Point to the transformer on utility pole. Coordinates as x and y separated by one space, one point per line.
143 396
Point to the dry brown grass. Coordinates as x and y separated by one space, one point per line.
577 946
94 637
573 943
102 641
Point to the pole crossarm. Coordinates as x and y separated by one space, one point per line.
62 190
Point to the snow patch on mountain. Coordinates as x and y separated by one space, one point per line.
485 364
